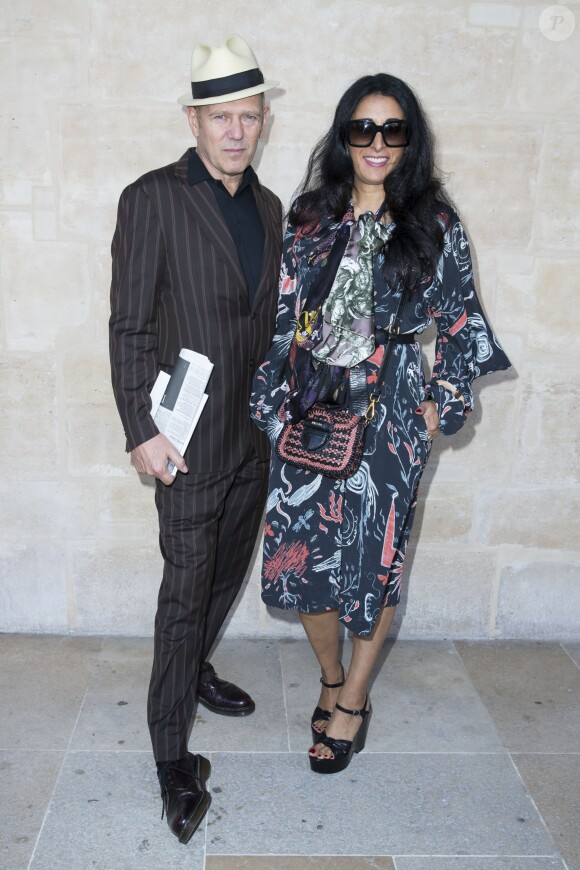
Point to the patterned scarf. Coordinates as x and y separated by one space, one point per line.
348 322
335 330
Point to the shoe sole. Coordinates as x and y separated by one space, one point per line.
245 711
195 820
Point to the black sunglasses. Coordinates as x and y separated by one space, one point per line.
362 132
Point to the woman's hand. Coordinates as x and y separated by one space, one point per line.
429 411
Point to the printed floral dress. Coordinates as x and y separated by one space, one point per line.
341 543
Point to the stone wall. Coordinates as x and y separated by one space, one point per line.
88 102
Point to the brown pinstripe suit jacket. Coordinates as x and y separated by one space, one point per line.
178 282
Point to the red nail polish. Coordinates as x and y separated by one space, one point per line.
418 410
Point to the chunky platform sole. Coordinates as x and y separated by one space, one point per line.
343 750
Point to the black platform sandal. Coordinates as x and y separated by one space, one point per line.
319 713
343 750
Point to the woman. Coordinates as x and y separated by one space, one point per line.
334 549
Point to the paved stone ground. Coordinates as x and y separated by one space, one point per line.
472 761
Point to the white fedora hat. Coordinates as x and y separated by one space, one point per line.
219 75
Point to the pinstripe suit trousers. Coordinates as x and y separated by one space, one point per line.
208 524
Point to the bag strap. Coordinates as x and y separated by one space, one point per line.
375 396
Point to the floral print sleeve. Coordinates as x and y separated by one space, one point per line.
466 345
269 385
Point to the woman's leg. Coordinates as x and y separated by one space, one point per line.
365 652
322 630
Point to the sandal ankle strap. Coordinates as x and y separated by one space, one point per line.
362 712
334 685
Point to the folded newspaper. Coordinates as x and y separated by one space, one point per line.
178 399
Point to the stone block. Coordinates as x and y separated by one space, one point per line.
481 452
87 376
541 518
440 803
494 14
553 305
25 157
93 450
491 451
151 48
16 226
28 423
546 73
483 51
446 592
45 225
33 594
138 140
95 442
530 689
514 301
539 600
29 778
293 132
59 18
475 156
553 781
558 222
40 70
55 274
126 507
444 515
116 587
39 510
547 445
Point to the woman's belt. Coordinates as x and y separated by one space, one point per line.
382 337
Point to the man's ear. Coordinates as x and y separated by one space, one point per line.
193 120
265 116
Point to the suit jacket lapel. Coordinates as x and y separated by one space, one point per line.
201 203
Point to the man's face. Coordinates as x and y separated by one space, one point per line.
227 135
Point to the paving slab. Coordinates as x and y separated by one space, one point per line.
531 691
554 783
255 667
27 780
106 815
114 712
448 862
296 862
383 804
43 681
423 699
573 650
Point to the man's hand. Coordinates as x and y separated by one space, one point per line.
152 457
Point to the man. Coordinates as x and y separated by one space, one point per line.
196 256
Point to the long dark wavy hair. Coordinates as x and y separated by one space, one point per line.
414 193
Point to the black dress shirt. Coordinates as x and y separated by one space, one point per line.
241 215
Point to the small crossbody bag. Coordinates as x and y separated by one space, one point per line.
331 441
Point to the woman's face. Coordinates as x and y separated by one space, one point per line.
374 162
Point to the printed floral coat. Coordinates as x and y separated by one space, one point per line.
341 543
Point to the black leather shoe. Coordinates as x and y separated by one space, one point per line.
219 696
185 797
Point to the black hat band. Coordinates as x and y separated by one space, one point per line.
227 84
